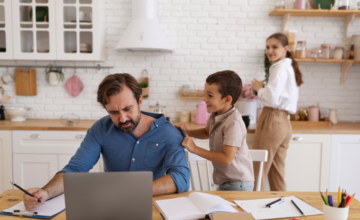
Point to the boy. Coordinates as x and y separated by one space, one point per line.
229 153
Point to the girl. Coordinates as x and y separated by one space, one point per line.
280 96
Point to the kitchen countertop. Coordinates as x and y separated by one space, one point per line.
84 125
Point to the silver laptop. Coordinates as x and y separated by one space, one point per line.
110 195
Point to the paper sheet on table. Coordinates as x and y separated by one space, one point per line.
284 210
49 208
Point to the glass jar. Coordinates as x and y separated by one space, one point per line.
344 4
313 54
289 4
280 4
339 53
325 51
358 5
300 50
319 54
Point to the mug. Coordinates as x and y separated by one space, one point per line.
184 116
246 119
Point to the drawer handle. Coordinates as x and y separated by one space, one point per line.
35 136
297 139
80 136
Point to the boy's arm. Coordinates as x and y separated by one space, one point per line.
202 133
224 158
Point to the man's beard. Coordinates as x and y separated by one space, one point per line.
132 126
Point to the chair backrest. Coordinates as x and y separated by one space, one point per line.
193 157
259 156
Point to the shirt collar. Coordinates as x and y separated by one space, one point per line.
160 119
285 60
223 116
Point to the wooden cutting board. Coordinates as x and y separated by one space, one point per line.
25 82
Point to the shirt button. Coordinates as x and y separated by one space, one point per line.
157 145
133 159
138 142
157 125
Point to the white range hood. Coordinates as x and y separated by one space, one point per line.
144 32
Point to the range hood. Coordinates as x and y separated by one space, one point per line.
144 32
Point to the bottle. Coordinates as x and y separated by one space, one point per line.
2 113
352 52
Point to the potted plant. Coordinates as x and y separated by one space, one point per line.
54 76
144 84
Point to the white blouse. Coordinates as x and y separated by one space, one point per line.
281 91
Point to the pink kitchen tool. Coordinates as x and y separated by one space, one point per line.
74 86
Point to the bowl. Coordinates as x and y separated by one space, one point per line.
17 113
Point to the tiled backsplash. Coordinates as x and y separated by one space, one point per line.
207 36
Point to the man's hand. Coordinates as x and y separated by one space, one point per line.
188 142
257 85
182 127
32 203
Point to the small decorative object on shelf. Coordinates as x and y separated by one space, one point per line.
144 84
54 76
303 115
280 4
300 4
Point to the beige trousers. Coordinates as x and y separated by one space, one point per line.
273 133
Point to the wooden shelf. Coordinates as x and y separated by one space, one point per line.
315 13
191 94
348 15
328 61
345 65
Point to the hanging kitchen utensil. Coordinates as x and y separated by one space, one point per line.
74 86
25 82
70 119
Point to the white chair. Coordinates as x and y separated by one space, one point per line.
193 157
259 156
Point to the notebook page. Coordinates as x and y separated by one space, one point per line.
205 202
179 208
49 208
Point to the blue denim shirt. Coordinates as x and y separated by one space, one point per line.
159 150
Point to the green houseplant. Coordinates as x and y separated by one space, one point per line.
54 76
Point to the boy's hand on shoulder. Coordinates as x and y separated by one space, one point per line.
189 144
182 127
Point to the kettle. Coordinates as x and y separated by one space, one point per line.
201 114
333 116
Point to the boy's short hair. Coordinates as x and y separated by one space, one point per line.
229 84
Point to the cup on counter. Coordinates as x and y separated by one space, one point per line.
335 213
246 119
313 113
184 116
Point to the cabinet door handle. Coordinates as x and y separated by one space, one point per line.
35 136
80 136
297 139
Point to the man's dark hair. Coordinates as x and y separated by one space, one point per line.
229 84
114 84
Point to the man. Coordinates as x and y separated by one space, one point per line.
129 140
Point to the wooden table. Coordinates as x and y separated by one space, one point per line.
11 197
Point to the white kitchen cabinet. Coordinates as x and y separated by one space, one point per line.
39 155
79 23
308 162
34 39
5 161
34 170
345 163
6 44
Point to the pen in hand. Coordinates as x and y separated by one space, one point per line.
26 192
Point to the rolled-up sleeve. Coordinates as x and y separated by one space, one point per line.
176 165
86 156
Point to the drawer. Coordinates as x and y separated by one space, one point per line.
45 142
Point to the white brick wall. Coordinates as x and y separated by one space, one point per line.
207 36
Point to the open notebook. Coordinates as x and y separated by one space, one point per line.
196 206
49 209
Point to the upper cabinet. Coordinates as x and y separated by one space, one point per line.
6 49
52 30
80 30
34 31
